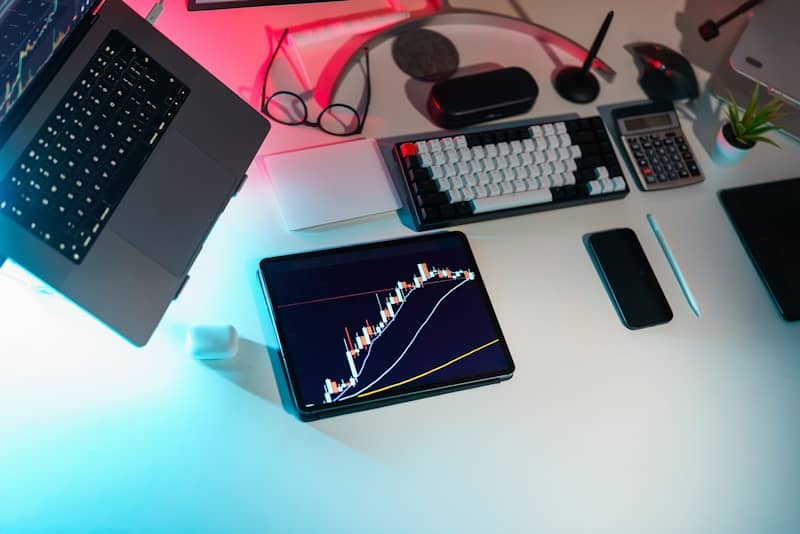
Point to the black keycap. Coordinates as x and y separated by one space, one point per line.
589 162
419 174
432 199
463 208
585 124
589 149
579 138
573 125
564 193
447 211
425 186
430 214
597 123
614 170
584 175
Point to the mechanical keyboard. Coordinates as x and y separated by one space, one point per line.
502 171
73 174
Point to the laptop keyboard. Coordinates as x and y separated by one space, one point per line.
73 174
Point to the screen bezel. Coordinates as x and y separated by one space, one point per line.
355 404
193 5
38 85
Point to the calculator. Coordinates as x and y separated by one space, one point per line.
655 146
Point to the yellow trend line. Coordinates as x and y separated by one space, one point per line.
426 373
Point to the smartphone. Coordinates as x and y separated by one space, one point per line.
629 279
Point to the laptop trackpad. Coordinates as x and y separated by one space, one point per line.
173 203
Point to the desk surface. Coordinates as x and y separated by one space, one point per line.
686 427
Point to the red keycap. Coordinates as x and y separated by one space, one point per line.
408 149
647 171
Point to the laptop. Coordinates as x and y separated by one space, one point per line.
768 49
767 219
118 154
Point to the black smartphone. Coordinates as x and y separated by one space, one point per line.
629 279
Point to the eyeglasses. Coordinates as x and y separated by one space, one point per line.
289 108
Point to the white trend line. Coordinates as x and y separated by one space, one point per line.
409 343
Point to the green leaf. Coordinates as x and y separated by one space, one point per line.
761 130
767 140
751 107
733 112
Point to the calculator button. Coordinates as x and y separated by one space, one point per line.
683 174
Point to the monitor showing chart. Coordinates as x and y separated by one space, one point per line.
30 33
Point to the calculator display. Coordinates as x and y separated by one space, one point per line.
647 122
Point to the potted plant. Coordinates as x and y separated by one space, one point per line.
742 131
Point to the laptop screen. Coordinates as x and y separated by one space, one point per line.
31 32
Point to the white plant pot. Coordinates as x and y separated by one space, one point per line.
728 151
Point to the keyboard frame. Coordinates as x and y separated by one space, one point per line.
392 145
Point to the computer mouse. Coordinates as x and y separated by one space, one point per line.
666 75
212 342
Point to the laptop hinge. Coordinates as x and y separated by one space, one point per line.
239 186
180 289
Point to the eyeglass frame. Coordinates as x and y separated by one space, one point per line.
305 122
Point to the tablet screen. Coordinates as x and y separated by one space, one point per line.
383 320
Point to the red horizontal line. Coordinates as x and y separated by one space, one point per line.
355 294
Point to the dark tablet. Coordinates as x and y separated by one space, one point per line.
373 324
199 5
767 218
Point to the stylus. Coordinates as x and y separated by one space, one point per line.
674 264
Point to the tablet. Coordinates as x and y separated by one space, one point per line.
374 324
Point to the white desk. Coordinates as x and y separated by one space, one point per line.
689 427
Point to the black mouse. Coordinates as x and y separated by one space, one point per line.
666 74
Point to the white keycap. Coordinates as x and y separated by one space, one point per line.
569 178
455 195
549 129
443 184
560 127
519 186
449 169
535 170
460 141
451 155
532 184
465 153
571 165
560 166
520 173
601 172
558 180
478 152
553 141
495 176
484 178
501 162
514 160
437 171
508 175
503 148
491 151
469 179
422 147
564 139
619 183
563 154
493 190
528 145
475 165
527 159
575 151
480 191
456 182
425 160
447 143
505 188
489 164
594 187
467 194
516 147
545 181
515 200
434 145
438 157
539 158
462 168
536 131
547 168
608 185
551 154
